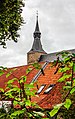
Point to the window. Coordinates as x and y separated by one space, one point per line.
49 88
41 88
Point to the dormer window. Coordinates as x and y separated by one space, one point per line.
49 88
41 88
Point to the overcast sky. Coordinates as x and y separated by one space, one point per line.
57 26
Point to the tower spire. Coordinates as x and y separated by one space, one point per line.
37 24
37 31
36 49
37 46
37 14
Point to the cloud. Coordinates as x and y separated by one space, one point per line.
57 26
58 16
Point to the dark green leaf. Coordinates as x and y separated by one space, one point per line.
68 83
73 54
17 113
73 78
74 67
66 59
10 20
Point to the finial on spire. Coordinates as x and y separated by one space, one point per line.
37 31
37 13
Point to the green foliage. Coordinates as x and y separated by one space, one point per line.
9 73
67 103
64 77
73 82
37 65
67 67
74 67
1 72
17 113
28 70
56 109
21 96
66 59
64 69
68 83
73 90
63 54
66 87
10 20
2 90
11 81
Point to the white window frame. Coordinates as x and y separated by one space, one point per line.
41 88
49 88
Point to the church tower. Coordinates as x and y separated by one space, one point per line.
36 50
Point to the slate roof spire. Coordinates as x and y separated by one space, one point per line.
37 35
37 25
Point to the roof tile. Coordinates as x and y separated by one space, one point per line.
44 100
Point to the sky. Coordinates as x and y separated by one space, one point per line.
57 26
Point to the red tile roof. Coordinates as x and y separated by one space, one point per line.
46 101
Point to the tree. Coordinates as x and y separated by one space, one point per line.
10 20
21 94
67 67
